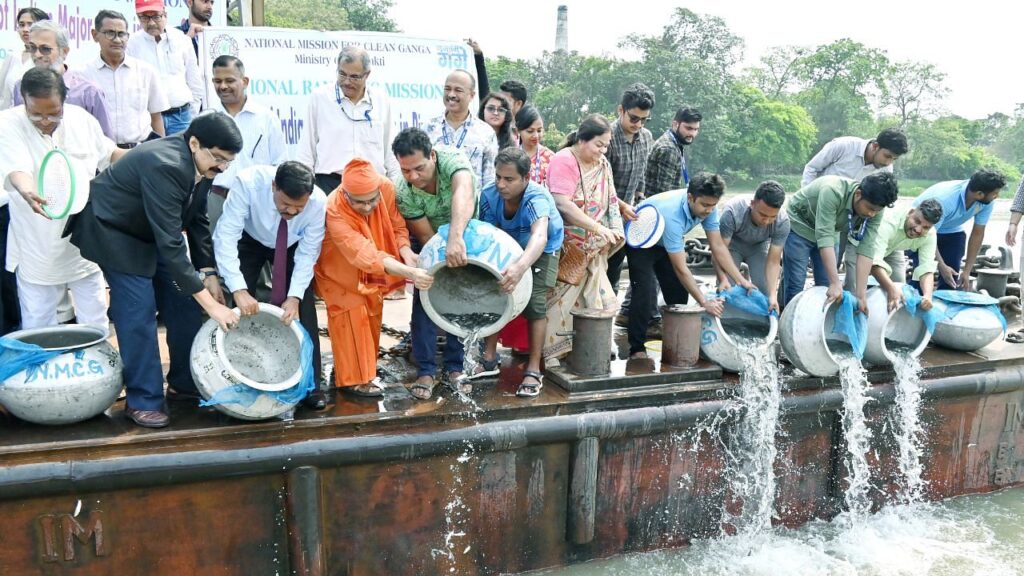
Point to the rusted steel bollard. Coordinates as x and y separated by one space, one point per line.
591 343
680 346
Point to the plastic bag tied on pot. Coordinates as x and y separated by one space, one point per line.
16 356
959 300
852 324
476 241
912 299
246 396
755 303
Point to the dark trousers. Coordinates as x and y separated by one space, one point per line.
615 269
951 247
252 256
10 309
424 343
134 303
648 269
327 182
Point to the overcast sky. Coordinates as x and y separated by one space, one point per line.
978 44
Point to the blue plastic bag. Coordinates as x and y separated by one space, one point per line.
852 324
913 299
246 396
755 303
476 243
959 300
16 356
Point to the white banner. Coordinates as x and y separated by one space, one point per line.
77 16
285 66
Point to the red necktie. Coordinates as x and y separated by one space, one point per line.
279 278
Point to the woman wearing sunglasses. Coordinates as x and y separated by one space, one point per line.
496 111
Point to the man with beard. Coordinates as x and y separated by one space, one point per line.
854 158
459 129
262 139
132 227
961 200
199 14
666 165
49 46
348 119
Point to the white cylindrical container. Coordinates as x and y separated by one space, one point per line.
74 386
973 328
468 299
890 331
805 331
259 355
723 340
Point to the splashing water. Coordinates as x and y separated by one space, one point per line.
909 430
854 382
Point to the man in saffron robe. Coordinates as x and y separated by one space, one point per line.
366 254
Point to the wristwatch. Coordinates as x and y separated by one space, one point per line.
207 274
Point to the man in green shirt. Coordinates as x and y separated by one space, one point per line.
437 188
824 215
901 229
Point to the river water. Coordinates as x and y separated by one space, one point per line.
980 535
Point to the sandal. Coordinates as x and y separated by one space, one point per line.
459 383
368 390
422 390
1015 337
530 390
485 368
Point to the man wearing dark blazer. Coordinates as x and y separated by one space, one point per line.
132 227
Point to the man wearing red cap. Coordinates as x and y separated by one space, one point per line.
274 216
366 254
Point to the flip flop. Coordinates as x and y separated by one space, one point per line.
368 390
428 389
528 389
459 383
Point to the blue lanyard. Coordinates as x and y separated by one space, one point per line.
444 132
857 235
366 113
682 159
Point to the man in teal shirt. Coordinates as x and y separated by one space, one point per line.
437 188
825 214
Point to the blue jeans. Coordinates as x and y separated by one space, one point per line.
424 343
175 122
795 255
134 303
951 247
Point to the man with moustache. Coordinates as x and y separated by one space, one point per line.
132 87
962 201
274 216
167 49
262 139
666 165
132 227
348 119
459 129
49 46
199 14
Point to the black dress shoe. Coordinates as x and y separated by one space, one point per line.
147 418
316 400
179 396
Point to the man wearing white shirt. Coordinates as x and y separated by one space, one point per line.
132 87
458 128
263 140
346 120
47 264
855 158
274 216
169 51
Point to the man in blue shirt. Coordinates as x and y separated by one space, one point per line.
666 261
274 216
961 200
526 211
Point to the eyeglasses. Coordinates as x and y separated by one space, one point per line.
44 50
638 119
371 202
45 117
114 34
495 109
154 18
221 162
352 77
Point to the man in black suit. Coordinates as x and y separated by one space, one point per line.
132 227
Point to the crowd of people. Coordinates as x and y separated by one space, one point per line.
197 205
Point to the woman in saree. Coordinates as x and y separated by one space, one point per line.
580 179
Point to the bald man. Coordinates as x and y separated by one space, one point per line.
347 119
459 129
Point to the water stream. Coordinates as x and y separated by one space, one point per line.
854 382
909 431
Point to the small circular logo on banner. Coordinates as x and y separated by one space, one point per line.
223 45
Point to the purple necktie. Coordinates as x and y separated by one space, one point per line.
279 279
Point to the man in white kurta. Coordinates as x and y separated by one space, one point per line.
45 263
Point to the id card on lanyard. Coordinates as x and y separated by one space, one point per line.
447 140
